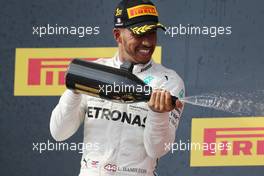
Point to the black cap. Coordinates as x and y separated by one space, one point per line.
140 16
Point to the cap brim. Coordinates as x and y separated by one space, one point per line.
143 28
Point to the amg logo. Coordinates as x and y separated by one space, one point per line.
243 140
115 115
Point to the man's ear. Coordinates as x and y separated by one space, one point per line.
117 35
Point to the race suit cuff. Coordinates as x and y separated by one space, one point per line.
70 99
157 119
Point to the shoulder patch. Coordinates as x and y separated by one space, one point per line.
181 94
148 79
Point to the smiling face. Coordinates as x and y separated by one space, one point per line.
134 48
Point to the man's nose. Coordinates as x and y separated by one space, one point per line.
149 39
146 42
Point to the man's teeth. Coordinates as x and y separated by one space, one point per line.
145 51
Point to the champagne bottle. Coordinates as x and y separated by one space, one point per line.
109 83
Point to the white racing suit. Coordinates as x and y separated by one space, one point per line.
122 139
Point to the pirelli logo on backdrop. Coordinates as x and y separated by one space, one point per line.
41 71
236 141
48 68
142 10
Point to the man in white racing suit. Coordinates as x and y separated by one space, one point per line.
126 139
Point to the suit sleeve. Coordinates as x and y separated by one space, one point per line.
67 116
161 128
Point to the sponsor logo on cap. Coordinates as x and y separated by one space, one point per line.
118 12
119 22
141 10
245 137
